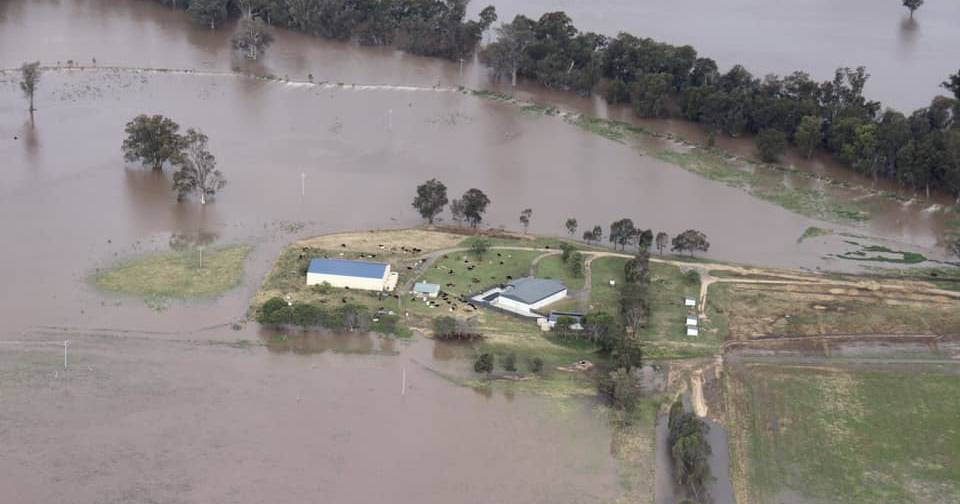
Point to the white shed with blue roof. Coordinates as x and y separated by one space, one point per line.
346 274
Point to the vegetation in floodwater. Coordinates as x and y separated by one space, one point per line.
813 232
176 274
860 254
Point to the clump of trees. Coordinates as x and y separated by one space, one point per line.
29 81
251 37
918 150
455 329
689 450
771 144
425 27
430 199
572 259
690 241
571 226
277 312
594 235
155 141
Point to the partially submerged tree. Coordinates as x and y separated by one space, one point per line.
506 54
430 199
474 205
809 135
197 169
912 5
772 144
571 226
690 240
251 37
29 80
689 450
151 140
525 216
208 12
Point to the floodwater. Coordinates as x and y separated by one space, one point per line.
908 59
137 418
163 405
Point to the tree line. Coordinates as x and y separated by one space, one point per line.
436 28
920 150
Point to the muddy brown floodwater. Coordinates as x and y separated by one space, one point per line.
164 405
908 59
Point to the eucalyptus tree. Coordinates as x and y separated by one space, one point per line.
151 140
430 199
912 5
29 80
251 37
197 169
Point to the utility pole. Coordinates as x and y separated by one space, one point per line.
303 184
66 344
461 67
201 256
390 119
403 381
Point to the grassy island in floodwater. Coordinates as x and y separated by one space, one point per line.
177 274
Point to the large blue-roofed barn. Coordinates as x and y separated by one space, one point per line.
343 273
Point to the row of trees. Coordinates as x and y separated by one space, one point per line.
431 199
156 141
425 27
689 450
624 232
920 150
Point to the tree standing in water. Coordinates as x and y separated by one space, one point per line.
197 169
431 198
152 140
912 5
30 73
571 226
251 37
525 216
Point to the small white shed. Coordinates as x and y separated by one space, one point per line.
690 302
692 321
692 331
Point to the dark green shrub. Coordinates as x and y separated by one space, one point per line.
510 362
484 363
535 364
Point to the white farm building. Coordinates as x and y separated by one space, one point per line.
524 295
346 274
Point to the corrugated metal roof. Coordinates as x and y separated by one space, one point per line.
529 290
426 288
344 267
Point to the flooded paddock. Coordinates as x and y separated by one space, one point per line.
171 402
140 419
